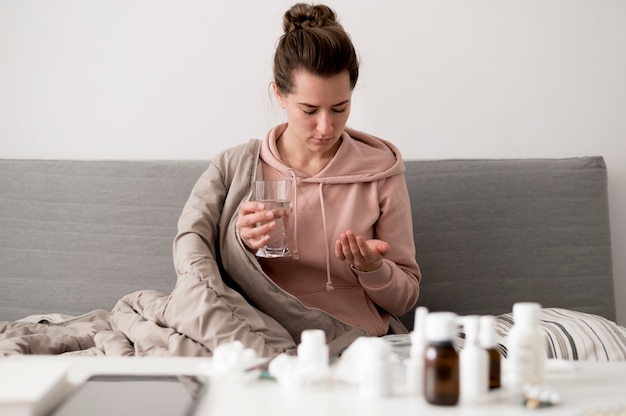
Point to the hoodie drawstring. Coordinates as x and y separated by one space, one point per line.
295 254
329 281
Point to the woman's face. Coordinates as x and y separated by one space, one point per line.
317 110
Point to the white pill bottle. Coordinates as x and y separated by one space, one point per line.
526 345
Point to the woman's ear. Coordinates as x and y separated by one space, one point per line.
279 96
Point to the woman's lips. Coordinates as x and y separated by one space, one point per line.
322 139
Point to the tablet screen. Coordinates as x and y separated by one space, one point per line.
135 395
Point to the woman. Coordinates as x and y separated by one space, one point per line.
353 264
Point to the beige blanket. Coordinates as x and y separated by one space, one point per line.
142 323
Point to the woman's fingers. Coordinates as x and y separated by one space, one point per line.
363 254
255 222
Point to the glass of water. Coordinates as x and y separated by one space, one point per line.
275 195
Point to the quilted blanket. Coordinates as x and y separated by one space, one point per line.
141 323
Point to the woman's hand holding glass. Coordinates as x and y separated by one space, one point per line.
364 255
255 222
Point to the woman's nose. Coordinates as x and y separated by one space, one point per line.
324 124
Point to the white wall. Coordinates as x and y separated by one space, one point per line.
158 79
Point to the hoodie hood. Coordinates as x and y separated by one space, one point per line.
360 158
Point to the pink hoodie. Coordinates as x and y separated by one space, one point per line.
363 189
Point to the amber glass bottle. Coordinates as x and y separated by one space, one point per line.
441 360
488 342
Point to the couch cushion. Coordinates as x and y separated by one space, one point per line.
570 335
490 233
573 335
78 235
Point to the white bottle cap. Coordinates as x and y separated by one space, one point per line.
312 350
471 327
440 326
313 337
417 336
526 312
420 315
487 331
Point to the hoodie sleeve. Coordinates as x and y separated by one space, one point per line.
395 285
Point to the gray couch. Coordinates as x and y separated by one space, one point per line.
78 235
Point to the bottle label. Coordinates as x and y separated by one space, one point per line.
526 359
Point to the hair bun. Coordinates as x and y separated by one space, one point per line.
303 15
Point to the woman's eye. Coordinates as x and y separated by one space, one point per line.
333 110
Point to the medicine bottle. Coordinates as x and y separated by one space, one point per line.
313 358
441 360
526 346
376 368
474 363
415 363
488 342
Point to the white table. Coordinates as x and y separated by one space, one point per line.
582 386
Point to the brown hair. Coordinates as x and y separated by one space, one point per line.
314 42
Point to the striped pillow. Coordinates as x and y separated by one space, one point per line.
573 335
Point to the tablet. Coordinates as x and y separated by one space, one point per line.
136 395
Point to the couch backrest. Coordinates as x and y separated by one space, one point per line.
78 235
490 233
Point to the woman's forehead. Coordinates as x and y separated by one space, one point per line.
311 89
